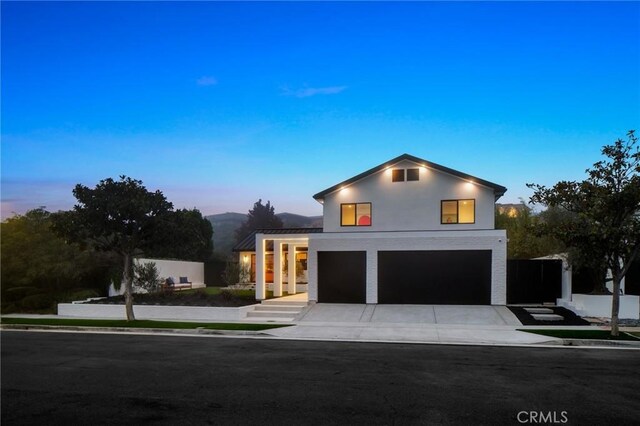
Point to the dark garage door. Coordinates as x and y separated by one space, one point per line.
342 276
445 277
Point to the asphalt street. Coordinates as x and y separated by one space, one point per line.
96 379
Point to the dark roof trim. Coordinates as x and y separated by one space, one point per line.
498 189
249 242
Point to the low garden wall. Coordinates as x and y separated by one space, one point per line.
591 305
195 313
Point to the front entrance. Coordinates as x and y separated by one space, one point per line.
444 277
342 276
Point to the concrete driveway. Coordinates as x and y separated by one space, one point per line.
409 314
410 323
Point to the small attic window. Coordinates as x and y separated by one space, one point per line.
397 175
413 174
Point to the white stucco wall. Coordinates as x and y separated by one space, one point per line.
196 313
178 268
592 305
372 242
409 206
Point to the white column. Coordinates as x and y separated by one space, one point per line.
261 290
292 269
372 277
312 271
277 268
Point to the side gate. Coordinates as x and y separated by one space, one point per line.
534 281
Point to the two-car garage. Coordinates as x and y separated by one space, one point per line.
454 277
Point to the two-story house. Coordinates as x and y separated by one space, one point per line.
405 232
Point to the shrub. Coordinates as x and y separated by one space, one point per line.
227 294
145 275
37 301
231 273
80 294
18 293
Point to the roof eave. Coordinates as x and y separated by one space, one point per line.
499 190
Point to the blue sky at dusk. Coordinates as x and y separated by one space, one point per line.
219 104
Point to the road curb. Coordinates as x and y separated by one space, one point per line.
192 331
596 342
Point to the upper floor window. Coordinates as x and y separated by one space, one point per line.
355 214
397 175
458 211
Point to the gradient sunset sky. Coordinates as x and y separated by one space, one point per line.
219 104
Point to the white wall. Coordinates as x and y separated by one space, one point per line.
591 305
409 206
494 240
178 268
197 313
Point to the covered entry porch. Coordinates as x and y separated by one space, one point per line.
279 253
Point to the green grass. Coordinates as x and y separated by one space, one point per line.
140 324
584 334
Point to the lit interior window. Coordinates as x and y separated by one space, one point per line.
348 214
363 213
355 214
458 211
449 212
467 211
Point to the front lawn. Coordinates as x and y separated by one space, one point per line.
584 334
139 324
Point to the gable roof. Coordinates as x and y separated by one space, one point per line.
499 190
249 242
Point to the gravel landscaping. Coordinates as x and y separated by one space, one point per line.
569 318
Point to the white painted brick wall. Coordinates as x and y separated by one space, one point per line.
372 242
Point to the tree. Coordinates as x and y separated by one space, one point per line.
116 216
524 241
186 235
146 276
259 217
40 269
606 209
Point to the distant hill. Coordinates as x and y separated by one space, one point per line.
290 220
225 225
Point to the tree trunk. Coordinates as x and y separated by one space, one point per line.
128 287
615 304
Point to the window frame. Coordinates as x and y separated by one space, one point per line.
457 222
356 214
399 171
415 170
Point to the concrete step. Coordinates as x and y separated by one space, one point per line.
284 303
547 317
539 310
263 320
278 308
